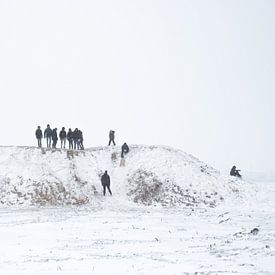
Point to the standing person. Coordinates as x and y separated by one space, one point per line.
80 135
76 139
54 137
111 137
39 135
70 139
105 181
124 149
48 135
62 136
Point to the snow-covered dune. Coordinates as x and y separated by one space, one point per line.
152 175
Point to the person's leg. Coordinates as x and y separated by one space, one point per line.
114 142
104 190
122 155
108 186
109 142
48 142
64 140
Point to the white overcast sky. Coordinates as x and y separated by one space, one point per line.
196 75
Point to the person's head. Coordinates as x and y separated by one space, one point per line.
234 167
76 129
38 127
70 129
48 125
63 128
106 172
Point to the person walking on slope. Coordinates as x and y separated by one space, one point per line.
111 137
62 136
234 172
124 149
105 181
54 137
39 135
48 136
70 139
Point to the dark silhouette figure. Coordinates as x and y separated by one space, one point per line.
48 135
62 136
234 172
105 181
111 137
39 135
124 149
70 138
80 141
54 137
76 139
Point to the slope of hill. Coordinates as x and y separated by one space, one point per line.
152 175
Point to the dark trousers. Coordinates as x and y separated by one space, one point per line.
54 143
39 142
49 141
63 143
81 144
71 146
76 144
110 141
104 189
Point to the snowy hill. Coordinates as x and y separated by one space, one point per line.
153 175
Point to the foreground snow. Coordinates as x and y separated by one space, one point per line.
112 239
170 214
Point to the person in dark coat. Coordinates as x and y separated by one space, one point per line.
124 149
234 172
111 137
62 136
39 135
80 135
54 137
48 135
76 139
105 181
70 139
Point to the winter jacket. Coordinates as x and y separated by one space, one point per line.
105 179
125 148
112 134
54 135
47 132
38 133
70 135
62 134
75 135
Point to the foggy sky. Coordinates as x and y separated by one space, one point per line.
196 75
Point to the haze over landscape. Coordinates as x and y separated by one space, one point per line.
195 75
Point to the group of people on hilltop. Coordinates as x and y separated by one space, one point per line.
75 138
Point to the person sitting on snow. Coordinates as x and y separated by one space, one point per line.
234 172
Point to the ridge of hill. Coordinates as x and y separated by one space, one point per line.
152 175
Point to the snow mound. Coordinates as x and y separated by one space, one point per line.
152 175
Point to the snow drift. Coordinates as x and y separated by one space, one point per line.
152 175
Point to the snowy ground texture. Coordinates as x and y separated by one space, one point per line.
170 214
